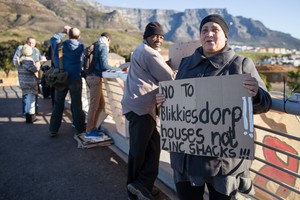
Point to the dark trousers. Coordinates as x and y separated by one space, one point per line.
75 89
144 150
186 191
52 95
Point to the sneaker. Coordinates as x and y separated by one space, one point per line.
140 191
53 134
93 134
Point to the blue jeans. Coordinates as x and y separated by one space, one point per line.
29 102
24 96
78 115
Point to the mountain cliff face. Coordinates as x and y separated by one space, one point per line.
184 26
44 17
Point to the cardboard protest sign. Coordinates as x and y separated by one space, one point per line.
209 116
180 50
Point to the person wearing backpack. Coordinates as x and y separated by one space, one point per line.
72 50
97 64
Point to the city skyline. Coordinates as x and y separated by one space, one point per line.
278 16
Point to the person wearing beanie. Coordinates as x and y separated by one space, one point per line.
147 69
217 19
27 50
224 177
153 28
28 82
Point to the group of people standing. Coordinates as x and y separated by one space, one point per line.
27 58
224 177
72 51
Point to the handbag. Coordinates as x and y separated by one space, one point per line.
56 78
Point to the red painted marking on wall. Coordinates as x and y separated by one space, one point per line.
271 156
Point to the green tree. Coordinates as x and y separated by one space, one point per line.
293 79
7 50
268 84
43 47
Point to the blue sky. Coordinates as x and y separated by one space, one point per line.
283 16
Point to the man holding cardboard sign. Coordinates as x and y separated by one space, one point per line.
210 134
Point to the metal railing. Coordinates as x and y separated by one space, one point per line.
284 177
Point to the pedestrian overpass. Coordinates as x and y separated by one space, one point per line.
275 170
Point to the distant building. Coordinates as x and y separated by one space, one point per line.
262 50
297 63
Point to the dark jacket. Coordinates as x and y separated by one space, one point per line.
72 55
222 64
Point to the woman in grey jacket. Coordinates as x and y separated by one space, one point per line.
224 177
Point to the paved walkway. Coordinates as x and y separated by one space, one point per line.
34 166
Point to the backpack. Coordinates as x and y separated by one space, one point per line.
88 64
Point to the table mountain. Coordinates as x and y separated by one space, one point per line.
42 18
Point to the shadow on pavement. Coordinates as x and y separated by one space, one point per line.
35 166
